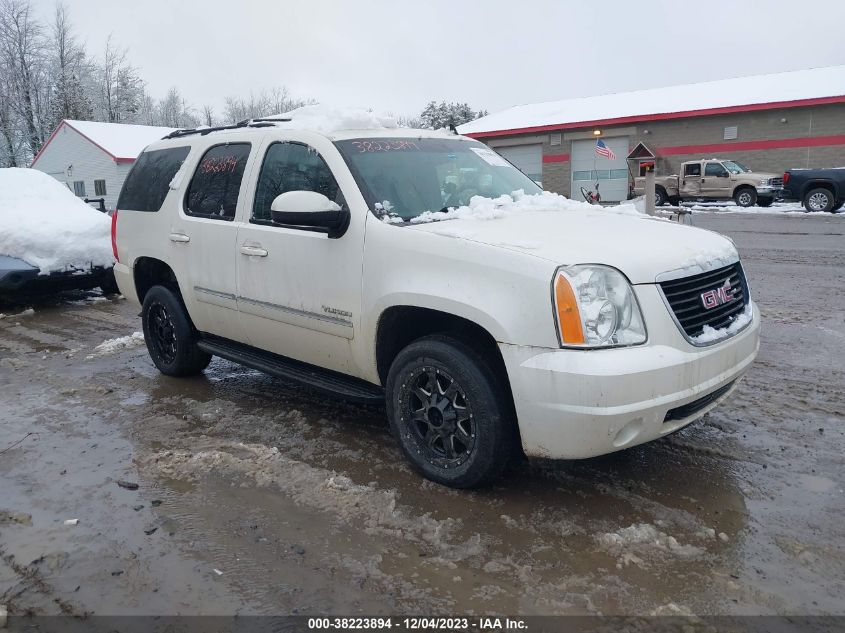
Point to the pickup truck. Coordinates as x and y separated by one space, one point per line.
817 189
715 179
420 271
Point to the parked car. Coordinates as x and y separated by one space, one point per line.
817 189
49 239
485 314
715 179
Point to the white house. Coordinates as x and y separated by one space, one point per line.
93 158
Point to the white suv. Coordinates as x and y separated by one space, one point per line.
420 269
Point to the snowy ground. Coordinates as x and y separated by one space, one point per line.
259 497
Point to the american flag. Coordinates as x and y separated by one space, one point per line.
604 150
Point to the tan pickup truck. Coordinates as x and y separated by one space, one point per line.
715 179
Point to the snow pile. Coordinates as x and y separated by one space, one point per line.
44 224
136 339
710 335
707 260
326 119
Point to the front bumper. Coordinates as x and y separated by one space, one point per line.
573 404
769 191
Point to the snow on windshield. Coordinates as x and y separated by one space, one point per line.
44 224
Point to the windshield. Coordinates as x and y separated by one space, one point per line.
735 167
405 177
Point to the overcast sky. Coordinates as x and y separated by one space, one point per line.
397 54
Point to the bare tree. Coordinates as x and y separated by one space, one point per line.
208 115
276 101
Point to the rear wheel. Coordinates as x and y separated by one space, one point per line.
170 338
819 200
745 197
660 196
449 412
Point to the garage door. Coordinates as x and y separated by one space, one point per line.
589 168
528 158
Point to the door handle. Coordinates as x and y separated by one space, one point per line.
179 237
253 251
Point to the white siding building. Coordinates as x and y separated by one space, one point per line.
93 158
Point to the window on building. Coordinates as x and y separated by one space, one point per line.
693 169
99 187
291 167
646 166
79 188
147 184
213 191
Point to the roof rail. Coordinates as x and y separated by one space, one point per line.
266 122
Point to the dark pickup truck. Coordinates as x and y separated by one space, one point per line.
817 189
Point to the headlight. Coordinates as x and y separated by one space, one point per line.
765 181
595 306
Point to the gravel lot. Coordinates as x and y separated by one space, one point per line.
259 497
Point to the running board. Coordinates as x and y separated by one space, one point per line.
317 378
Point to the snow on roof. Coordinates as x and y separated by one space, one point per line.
326 119
121 140
777 88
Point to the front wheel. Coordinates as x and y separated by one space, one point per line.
449 412
169 335
819 200
745 197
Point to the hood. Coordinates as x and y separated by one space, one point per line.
758 174
641 247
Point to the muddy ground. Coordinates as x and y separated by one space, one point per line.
259 497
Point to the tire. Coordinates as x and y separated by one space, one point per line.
465 436
169 335
108 285
660 196
675 201
819 199
765 202
745 197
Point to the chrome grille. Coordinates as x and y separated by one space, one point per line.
776 182
684 297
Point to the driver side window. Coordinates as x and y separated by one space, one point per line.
291 167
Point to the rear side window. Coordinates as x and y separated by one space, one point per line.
213 192
693 169
147 184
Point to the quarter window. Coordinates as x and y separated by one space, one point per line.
99 187
213 191
146 186
291 167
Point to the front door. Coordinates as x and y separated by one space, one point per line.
299 292
690 186
716 182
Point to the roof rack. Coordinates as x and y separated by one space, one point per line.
265 122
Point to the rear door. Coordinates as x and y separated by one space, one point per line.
204 232
690 186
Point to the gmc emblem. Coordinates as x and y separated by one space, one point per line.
718 296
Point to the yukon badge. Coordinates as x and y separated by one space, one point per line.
718 296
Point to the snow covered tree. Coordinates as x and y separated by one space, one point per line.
121 89
69 70
277 101
445 115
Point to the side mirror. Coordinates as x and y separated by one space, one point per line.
311 211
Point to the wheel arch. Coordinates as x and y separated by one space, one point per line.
148 272
821 183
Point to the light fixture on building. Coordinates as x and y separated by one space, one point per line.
69 171
596 132
646 131
783 120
